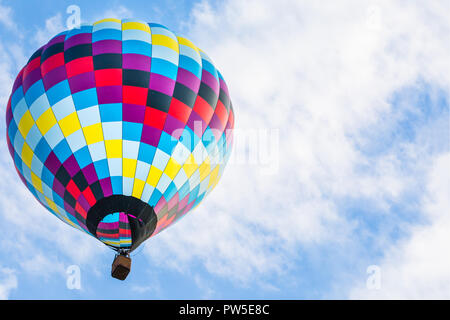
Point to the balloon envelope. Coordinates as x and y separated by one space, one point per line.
119 128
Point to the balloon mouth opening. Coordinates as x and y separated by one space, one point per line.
121 222
115 230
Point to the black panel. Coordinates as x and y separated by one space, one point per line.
184 94
63 176
223 97
96 189
158 100
80 181
36 54
52 50
208 95
69 199
108 61
136 78
80 51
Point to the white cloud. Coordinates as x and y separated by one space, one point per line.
53 26
8 282
6 79
324 75
117 12
418 267
6 17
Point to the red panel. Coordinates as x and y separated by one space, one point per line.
80 210
78 66
221 112
135 95
203 109
73 189
53 62
108 77
124 232
231 119
87 193
155 118
33 64
107 235
179 110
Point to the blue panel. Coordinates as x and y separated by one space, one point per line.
83 157
110 112
58 92
132 131
146 153
85 98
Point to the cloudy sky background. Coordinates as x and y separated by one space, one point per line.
341 161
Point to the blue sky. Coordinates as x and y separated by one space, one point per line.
348 107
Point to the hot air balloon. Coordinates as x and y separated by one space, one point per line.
119 129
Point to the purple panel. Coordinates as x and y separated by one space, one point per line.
106 46
90 174
109 94
57 39
55 76
196 124
31 79
70 210
136 62
82 82
162 84
211 81
224 87
71 165
83 202
106 186
109 225
52 163
18 81
58 188
150 135
78 39
173 126
133 113
188 79
216 126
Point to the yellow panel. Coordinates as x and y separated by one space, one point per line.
113 148
153 176
107 20
204 169
46 121
27 155
162 40
214 176
51 204
69 124
190 166
37 183
93 133
187 43
136 26
172 168
25 123
138 187
129 167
